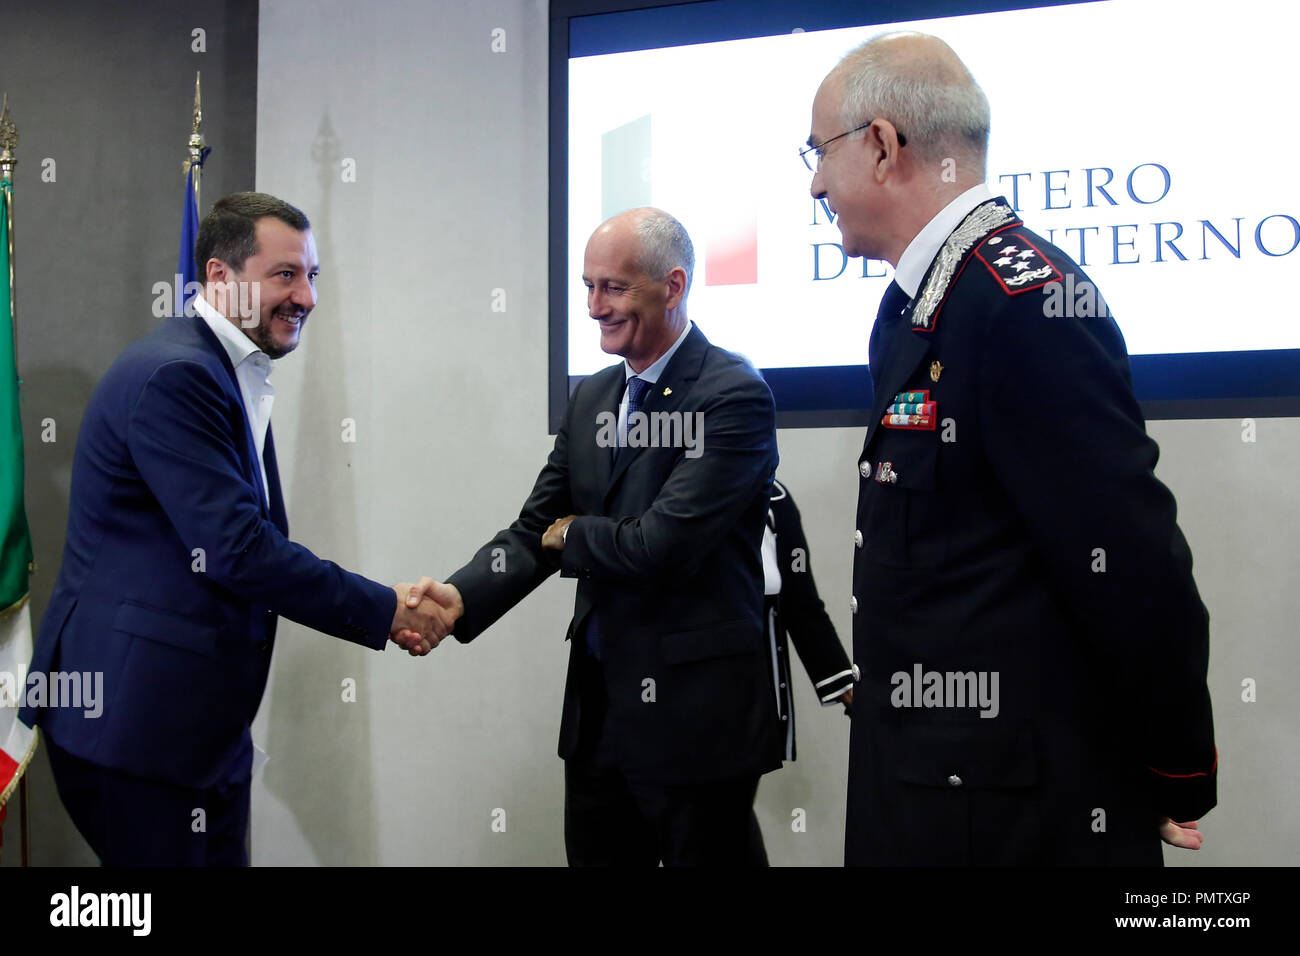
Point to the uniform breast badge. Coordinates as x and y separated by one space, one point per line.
911 410
936 369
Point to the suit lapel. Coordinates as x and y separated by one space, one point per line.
665 395
589 455
209 338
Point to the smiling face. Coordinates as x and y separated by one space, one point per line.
284 270
637 313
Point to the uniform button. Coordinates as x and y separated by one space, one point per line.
857 538
783 687
853 605
954 781
784 717
865 468
263 645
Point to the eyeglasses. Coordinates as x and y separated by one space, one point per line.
820 149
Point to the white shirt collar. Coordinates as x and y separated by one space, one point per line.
920 252
654 371
237 345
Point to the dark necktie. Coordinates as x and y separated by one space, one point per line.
888 322
636 389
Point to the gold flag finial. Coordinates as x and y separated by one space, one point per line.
8 141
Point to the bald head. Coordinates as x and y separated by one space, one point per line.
665 244
637 270
920 85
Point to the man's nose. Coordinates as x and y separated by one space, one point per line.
597 304
816 188
304 293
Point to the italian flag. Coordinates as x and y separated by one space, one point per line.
17 740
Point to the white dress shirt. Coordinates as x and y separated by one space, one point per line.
650 375
920 252
253 370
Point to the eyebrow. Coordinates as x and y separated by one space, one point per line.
280 266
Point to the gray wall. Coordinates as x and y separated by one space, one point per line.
448 397
106 91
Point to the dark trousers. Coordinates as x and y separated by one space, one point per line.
611 820
129 821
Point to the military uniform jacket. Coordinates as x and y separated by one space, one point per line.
1032 645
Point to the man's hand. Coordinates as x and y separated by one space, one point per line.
442 600
846 699
554 536
1185 835
420 625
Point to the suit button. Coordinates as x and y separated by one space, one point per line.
857 538
954 781
865 468
853 605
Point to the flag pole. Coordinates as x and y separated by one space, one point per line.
8 143
194 160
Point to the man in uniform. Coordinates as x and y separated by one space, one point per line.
1032 646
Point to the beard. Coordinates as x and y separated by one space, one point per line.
263 338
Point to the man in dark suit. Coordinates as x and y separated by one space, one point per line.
666 460
1032 646
177 560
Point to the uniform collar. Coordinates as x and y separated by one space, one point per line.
920 252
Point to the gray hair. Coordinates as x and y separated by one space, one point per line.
665 246
929 95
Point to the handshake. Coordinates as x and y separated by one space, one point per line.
426 613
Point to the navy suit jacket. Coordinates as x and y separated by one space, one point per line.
666 553
175 568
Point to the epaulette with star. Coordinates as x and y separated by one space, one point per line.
1015 262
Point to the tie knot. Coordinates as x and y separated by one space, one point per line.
636 389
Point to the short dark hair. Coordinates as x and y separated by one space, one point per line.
228 232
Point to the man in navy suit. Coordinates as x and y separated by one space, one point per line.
667 460
177 560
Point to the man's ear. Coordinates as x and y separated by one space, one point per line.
216 271
676 287
882 146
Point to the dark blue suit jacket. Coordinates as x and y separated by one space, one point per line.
175 568
667 552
